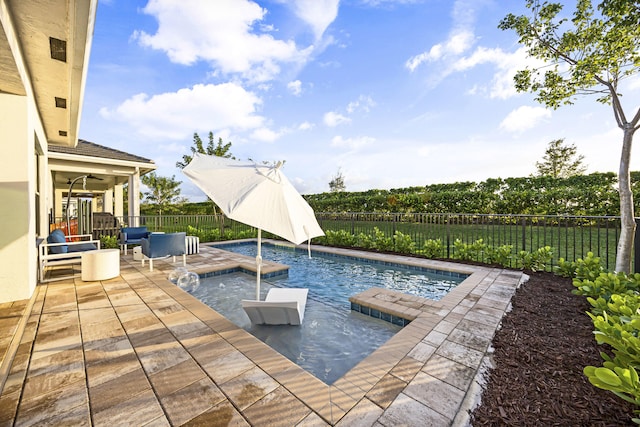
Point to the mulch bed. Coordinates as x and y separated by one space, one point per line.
544 343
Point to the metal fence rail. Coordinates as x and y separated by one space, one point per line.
570 237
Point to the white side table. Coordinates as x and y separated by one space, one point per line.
100 264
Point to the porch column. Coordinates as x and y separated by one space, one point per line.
107 201
18 253
118 202
134 199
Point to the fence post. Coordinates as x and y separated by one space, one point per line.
448 219
524 234
636 248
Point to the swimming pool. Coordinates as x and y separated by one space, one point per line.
332 338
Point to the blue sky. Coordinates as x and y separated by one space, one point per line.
391 93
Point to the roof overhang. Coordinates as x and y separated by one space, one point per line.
44 54
66 167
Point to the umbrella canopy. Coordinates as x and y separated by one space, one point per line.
256 195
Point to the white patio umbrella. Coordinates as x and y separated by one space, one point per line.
256 195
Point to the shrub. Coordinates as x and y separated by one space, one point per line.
433 248
565 268
501 255
403 243
607 284
380 241
108 242
619 327
536 260
339 238
588 268
469 251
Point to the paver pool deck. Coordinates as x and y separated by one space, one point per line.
138 350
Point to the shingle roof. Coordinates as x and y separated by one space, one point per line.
91 149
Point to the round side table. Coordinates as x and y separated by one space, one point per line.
100 264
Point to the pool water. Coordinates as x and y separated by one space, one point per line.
334 278
332 338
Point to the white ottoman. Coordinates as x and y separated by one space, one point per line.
100 264
137 253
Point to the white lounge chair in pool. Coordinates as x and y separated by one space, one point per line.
282 306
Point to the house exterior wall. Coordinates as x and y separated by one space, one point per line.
18 252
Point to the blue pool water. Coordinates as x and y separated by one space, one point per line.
332 338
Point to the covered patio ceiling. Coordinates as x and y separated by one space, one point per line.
44 51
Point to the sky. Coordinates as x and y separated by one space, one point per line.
387 93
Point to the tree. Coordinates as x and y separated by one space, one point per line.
162 192
337 183
561 161
220 150
589 54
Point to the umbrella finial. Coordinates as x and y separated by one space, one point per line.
279 164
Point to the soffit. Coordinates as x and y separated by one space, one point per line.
35 24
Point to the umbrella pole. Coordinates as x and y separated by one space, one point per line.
258 264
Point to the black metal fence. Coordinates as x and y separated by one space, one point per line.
569 237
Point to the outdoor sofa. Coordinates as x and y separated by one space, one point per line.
63 250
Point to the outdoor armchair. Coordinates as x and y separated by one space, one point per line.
162 246
132 236
63 250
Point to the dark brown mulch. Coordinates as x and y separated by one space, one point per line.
544 343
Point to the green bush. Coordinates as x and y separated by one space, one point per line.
607 284
501 255
565 268
615 313
469 251
588 268
433 248
536 260
403 243
108 242
339 238
618 326
380 241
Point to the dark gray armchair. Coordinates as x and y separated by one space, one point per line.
162 246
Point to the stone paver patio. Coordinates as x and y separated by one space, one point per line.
137 350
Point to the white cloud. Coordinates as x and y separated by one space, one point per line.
295 87
352 143
222 33
375 3
333 119
524 118
457 43
319 14
176 115
363 103
506 64
449 57
265 135
306 126
460 39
